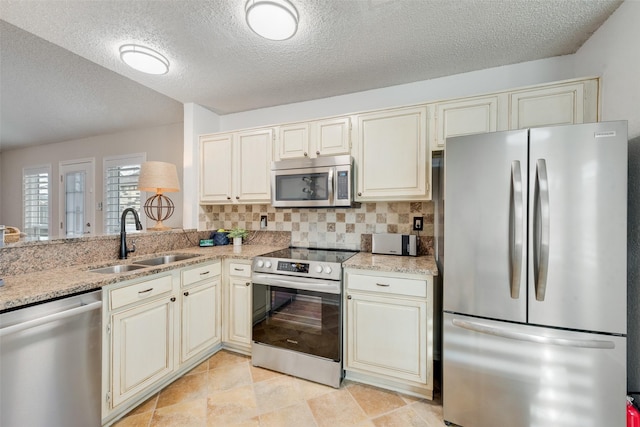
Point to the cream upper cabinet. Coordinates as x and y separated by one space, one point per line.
293 141
393 161
216 153
466 117
253 166
389 330
561 104
332 137
235 167
328 137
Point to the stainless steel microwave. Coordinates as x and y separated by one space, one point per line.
320 182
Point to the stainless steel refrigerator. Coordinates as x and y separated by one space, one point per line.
534 298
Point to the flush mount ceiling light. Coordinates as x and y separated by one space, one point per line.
272 19
144 59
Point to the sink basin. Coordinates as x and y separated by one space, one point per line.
165 259
121 268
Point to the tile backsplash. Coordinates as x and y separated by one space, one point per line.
331 228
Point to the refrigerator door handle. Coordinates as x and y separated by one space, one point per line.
516 249
538 339
541 230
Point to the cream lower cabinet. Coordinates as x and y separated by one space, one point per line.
201 315
393 161
389 331
142 326
237 305
236 167
156 328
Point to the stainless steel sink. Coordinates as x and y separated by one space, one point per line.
166 259
121 268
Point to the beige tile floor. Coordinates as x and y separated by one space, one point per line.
226 390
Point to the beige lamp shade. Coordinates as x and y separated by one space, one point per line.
160 177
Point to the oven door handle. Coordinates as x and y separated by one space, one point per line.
302 283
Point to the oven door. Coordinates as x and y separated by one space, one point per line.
307 321
312 187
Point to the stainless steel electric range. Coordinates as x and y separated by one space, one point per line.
297 313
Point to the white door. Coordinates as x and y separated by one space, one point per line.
77 214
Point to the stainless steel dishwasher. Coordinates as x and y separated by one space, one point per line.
50 365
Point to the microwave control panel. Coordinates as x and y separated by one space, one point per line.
343 185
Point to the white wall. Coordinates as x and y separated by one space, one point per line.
197 121
459 85
612 52
164 143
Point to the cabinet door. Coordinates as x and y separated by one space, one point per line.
463 117
387 336
564 104
215 168
332 137
393 161
142 346
201 318
252 166
293 141
239 320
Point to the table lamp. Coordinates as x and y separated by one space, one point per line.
159 177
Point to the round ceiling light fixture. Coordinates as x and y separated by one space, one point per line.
144 59
272 19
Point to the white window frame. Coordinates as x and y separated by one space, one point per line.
30 171
116 162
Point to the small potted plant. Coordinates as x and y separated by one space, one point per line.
237 234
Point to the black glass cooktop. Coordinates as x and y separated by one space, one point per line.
312 254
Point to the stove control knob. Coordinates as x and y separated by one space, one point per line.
260 263
319 269
327 270
267 264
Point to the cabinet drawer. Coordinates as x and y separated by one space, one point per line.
388 285
200 272
242 270
140 291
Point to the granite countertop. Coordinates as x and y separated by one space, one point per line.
425 264
29 288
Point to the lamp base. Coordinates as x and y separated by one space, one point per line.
159 226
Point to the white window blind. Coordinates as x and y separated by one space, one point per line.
121 191
36 183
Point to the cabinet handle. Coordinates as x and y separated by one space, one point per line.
228 197
359 193
173 299
145 291
248 284
384 285
186 294
204 272
348 296
237 197
238 269
317 153
305 154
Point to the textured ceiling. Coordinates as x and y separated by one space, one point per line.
68 82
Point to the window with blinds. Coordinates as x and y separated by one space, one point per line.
36 204
121 191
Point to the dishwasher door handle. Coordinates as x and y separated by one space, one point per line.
50 318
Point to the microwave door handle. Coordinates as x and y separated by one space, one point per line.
331 186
